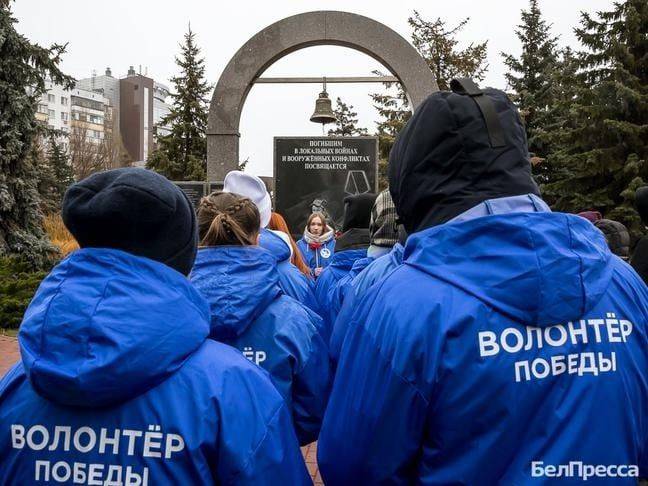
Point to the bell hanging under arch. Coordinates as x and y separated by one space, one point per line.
323 110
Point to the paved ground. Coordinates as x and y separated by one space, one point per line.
310 456
9 355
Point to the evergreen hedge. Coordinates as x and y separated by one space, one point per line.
18 283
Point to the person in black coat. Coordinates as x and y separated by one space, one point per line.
640 257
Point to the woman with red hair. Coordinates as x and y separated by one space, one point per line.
278 223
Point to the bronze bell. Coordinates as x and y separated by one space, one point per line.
323 110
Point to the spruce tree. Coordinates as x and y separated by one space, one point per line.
347 120
529 77
182 154
604 141
24 67
55 171
38 157
438 44
61 168
558 124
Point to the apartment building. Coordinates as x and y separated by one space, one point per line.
54 107
75 109
108 86
91 114
160 108
138 103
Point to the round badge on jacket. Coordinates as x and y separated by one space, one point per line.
325 252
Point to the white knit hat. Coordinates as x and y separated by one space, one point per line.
253 188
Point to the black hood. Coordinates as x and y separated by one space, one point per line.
357 211
444 161
641 200
354 239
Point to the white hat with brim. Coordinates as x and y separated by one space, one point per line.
253 188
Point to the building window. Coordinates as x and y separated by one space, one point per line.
42 109
64 100
51 98
64 116
51 113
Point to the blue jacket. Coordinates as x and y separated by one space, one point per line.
341 264
317 258
338 293
502 345
378 269
118 382
250 312
374 272
291 280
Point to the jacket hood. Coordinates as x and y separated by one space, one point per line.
345 259
353 239
538 268
443 163
239 282
357 211
273 243
106 326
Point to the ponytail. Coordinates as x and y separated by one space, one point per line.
227 219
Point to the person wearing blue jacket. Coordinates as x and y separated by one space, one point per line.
294 283
317 246
118 382
350 247
374 272
291 280
383 235
510 347
378 269
250 311
339 291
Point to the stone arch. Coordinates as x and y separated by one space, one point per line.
289 35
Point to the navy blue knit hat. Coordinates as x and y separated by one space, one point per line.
134 210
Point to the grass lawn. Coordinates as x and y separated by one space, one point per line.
9 332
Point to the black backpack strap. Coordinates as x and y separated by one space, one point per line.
466 86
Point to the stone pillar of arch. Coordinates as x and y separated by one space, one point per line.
288 35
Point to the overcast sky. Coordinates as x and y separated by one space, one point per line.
120 33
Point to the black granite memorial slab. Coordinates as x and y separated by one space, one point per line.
317 173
